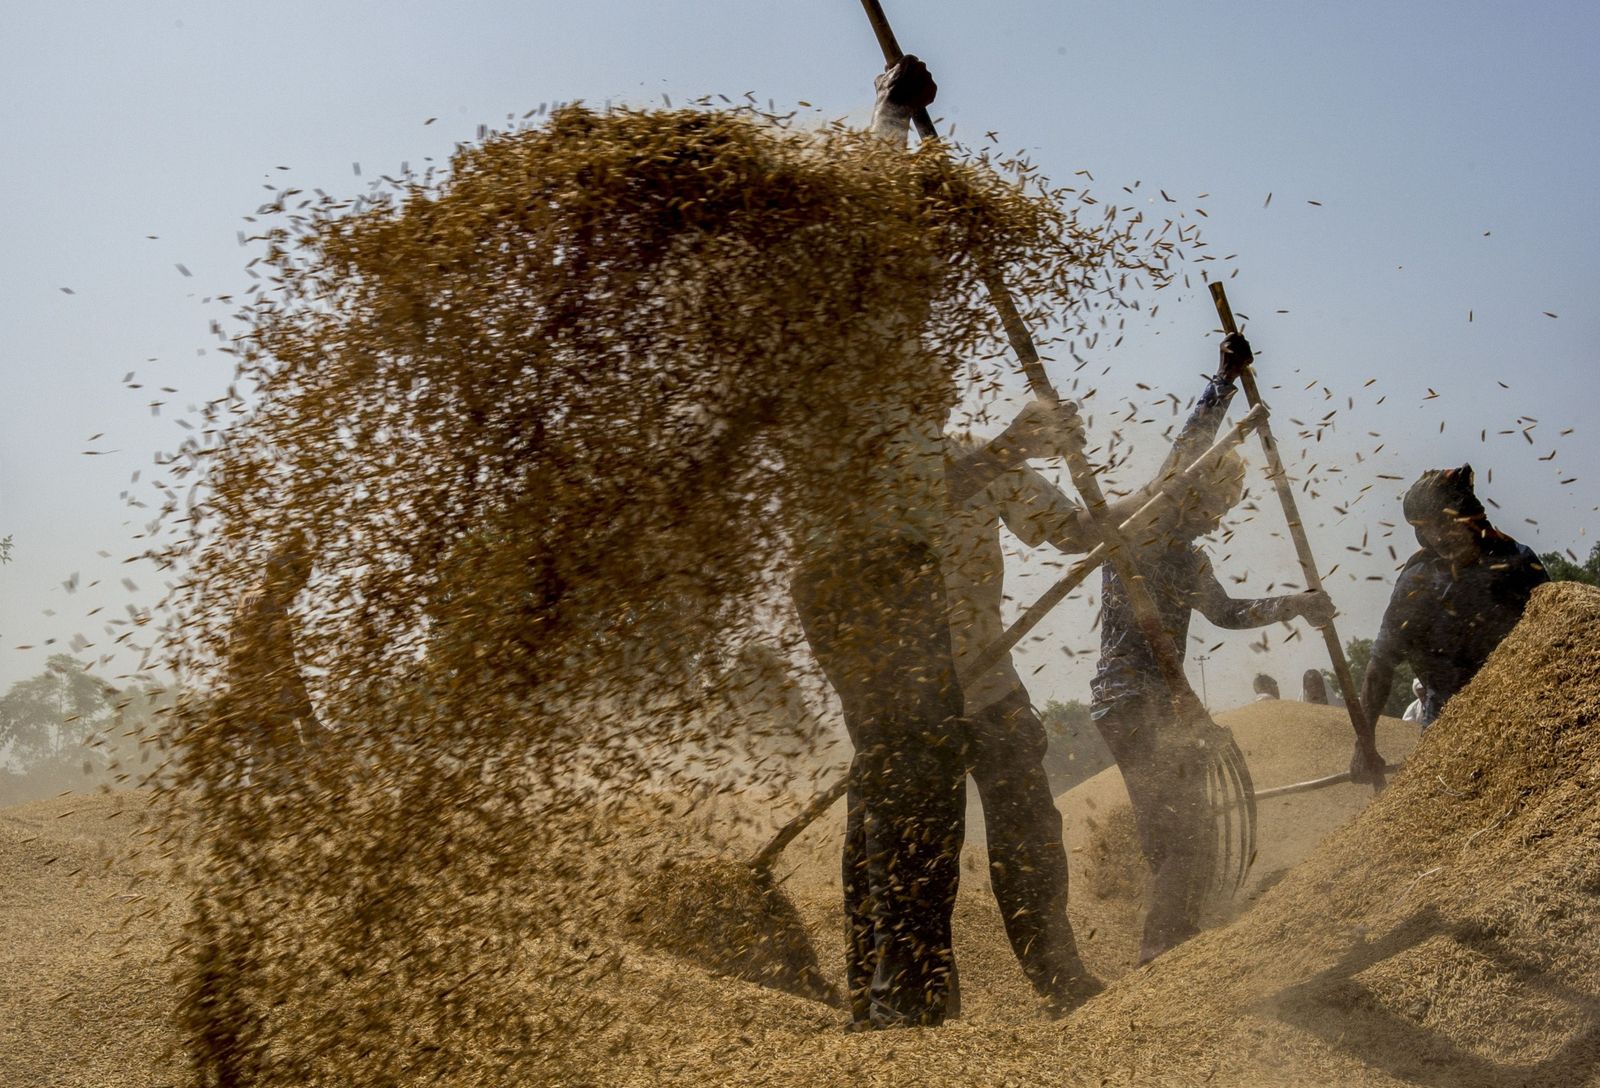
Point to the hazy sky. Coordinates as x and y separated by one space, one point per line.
1449 148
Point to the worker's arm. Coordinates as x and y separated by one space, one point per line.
1040 430
1038 512
1386 654
1211 600
1366 765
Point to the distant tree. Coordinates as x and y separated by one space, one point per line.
5 549
64 729
1562 569
1075 750
1358 651
1064 719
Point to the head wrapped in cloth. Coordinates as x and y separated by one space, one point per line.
1445 512
1443 493
1218 490
289 565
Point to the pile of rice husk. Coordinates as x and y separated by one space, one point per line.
1443 937
717 913
1283 742
85 980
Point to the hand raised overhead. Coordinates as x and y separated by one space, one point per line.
1234 355
907 84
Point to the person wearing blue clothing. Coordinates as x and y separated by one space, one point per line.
1164 771
1456 598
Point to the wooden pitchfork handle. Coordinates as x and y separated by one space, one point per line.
1297 529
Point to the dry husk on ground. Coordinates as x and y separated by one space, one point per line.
1444 936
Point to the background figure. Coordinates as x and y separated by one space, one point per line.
1414 707
265 704
1313 688
265 712
1264 686
1455 599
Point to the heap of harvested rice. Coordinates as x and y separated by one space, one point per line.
85 975
1445 937
714 913
543 428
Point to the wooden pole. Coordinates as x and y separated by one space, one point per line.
1315 783
1297 529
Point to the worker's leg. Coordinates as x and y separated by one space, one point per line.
879 628
1027 859
860 956
1166 779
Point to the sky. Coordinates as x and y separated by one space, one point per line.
1421 269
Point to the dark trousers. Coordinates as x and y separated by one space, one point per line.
1166 777
1027 859
877 621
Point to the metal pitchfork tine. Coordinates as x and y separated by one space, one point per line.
1216 787
1235 788
1190 711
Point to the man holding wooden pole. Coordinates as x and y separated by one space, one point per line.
1163 766
1027 859
872 602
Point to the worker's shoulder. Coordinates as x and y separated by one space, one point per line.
1518 560
1422 575
1522 555
1418 565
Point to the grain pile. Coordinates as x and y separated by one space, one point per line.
530 441
1444 937
85 983
712 912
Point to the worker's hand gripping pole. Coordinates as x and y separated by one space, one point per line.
1297 529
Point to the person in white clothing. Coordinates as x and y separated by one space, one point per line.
1414 710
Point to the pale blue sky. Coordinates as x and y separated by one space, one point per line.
1450 144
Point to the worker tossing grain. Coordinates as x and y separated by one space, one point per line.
1165 770
1456 598
872 601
